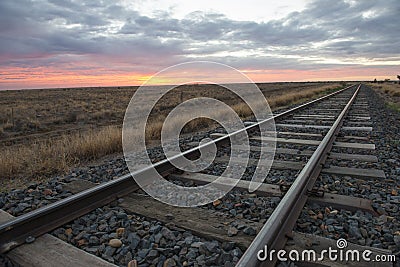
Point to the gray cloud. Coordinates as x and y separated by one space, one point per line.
39 30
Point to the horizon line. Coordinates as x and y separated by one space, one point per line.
127 86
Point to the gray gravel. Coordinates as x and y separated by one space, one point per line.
362 228
146 241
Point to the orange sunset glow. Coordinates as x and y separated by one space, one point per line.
45 78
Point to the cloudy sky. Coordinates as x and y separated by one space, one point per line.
64 43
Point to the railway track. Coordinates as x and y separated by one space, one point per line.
312 136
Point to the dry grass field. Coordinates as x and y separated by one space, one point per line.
390 92
46 132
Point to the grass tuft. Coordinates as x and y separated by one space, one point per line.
44 159
390 93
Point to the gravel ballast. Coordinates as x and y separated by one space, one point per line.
120 237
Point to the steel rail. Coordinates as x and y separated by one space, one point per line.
45 219
279 225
